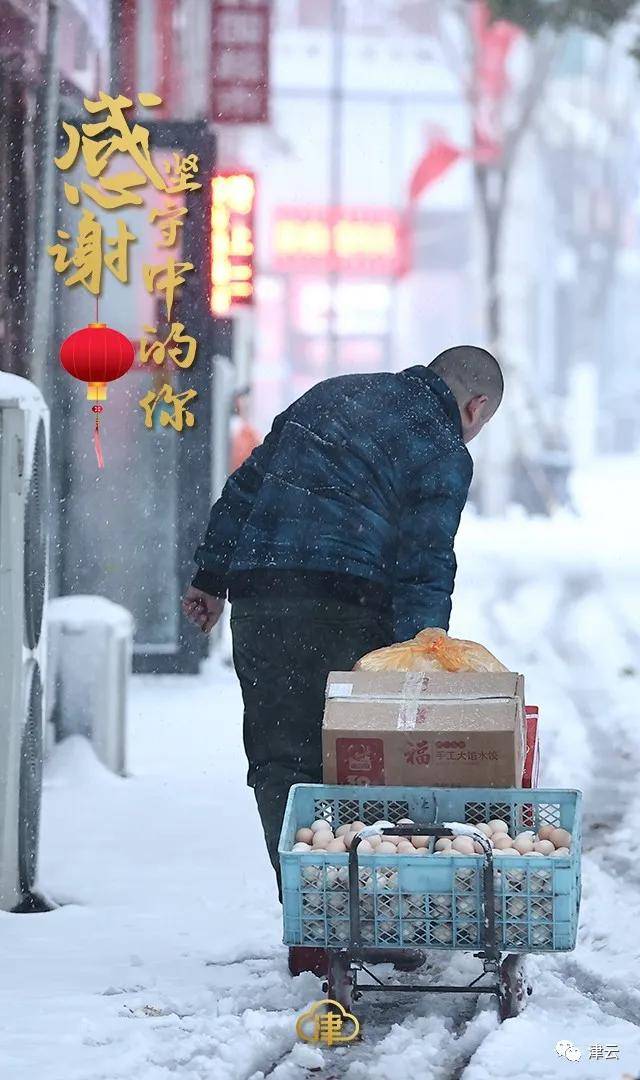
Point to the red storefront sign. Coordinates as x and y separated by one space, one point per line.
233 195
240 61
361 242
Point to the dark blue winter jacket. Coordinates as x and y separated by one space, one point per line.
363 478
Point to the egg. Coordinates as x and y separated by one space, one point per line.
319 825
342 829
541 934
375 842
443 844
540 880
368 933
538 854
405 821
442 933
463 844
523 844
507 851
501 842
304 836
337 846
386 879
365 878
560 838
348 839
409 933
543 847
342 875
424 851
364 848
386 848
331 875
356 826
464 877
516 906
322 839
486 829
545 831
562 853
498 826
478 848
337 902
393 839
420 841
313 903
301 847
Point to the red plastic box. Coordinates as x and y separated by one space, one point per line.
531 771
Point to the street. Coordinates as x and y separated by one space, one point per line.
164 958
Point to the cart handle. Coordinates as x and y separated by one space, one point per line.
448 828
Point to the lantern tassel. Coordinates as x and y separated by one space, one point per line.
97 444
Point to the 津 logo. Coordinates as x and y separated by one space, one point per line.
327 1022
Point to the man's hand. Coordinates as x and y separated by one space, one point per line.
202 609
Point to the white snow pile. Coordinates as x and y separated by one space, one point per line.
79 611
13 388
164 960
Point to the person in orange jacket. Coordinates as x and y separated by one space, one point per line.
244 436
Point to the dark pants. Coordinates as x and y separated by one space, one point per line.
283 651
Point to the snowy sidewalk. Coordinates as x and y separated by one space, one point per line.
161 875
165 962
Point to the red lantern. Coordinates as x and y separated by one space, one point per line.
97 355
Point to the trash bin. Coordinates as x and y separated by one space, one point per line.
90 645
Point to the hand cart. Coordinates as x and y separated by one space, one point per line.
364 909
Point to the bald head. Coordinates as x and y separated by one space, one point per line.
474 377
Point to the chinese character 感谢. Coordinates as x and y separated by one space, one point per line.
89 256
115 190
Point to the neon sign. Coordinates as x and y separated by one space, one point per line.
350 241
232 241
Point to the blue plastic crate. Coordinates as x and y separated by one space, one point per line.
431 901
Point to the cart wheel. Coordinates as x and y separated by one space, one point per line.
339 981
514 988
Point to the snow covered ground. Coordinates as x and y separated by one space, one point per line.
164 960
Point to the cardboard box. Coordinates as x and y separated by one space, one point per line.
424 730
531 772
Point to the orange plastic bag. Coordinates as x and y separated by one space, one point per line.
431 650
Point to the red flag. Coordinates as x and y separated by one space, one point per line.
493 41
440 156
